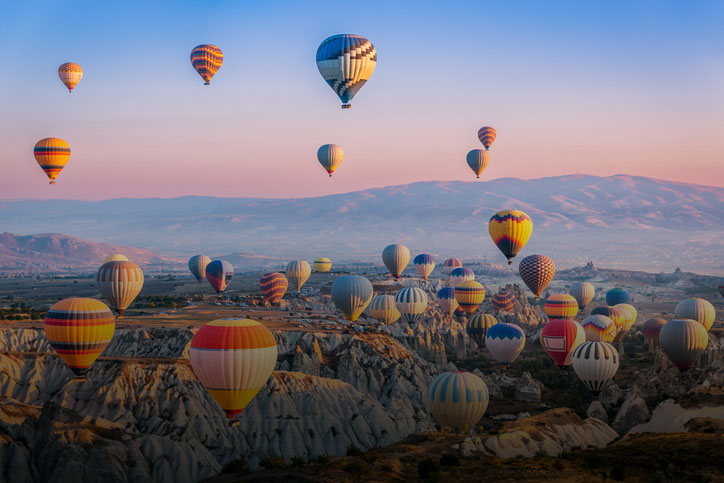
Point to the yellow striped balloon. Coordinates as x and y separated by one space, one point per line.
79 330
696 309
383 309
682 340
51 154
457 400
510 231
70 74
561 306
477 327
487 135
616 314
206 59
470 295
330 156
629 319
322 265
119 283
233 359
599 328
115 257
298 271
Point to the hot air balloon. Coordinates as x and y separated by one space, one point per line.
330 156
351 294
298 271
79 330
383 309
629 319
599 328
595 363
424 264
460 275
559 338
119 283
396 257
682 340
469 295
233 359
651 330
696 309
617 315
583 292
457 400
504 301
206 59
219 274
510 231
477 327
273 286
720 286
478 160
52 154
617 296
346 62
411 302
486 135
537 272
70 74
322 265
451 264
197 265
446 300
561 306
505 342
115 257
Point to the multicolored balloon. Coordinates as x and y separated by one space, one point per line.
537 271
561 306
595 363
346 63
322 265
330 156
446 300
298 271
583 292
651 330
460 275
599 328
683 340
477 327
233 359
486 135
629 319
396 257
70 74
617 296
206 59
197 265
469 295
119 283
383 309
505 342
559 338
696 309
79 330
617 315
503 301
424 264
52 154
115 257
273 286
219 274
451 264
351 294
411 302
510 231
457 400
478 160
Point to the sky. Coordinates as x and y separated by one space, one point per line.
601 88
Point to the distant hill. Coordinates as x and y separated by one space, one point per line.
59 252
621 221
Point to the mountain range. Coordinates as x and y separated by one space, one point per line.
622 221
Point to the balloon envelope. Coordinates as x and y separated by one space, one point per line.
322 265
559 338
351 294
451 264
70 74
411 302
298 271
617 296
383 309
51 154
583 292
537 271
629 319
477 327
682 340
78 330
457 400
119 283
616 314
197 266
460 275
469 295
446 300
504 301
115 257
599 328
510 230
219 274
478 160
424 264
346 62
206 59
233 359
505 342
595 363
396 257
561 306
330 156
487 135
652 328
273 286
697 309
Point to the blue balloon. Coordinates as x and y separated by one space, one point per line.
346 62
617 296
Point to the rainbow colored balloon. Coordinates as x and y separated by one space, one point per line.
561 306
207 60
451 264
599 328
503 301
273 286
219 274
469 295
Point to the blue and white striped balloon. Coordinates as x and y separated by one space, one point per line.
346 62
505 342
457 400
446 299
424 264
411 302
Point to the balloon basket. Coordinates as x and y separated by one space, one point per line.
346 106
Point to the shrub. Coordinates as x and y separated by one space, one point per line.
355 467
353 450
429 469
239 466
298 461
618 473
449 460
322 459
270 463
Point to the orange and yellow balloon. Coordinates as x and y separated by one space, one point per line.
70 74
120 283
510 231
79 329
486 135
52 154
206 59
470 295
